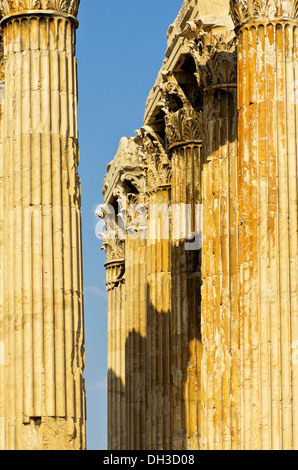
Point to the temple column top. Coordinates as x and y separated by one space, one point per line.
15 7
244 11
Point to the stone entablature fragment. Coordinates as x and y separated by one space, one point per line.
128 165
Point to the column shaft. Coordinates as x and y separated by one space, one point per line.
220 424
267 62
44 332
135 346
185 315
2 332
158 321
116 355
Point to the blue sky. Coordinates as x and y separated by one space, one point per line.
120 49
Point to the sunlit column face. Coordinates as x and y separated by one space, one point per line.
267 212
42 288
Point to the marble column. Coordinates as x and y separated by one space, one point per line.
2 333
220 401
135 322
268 260
184 134
124 241
115 283
43 321
158 363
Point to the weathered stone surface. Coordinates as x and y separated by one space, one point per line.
267 197
220 322
243 11
9 7
42 335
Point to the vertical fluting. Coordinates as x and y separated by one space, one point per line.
268 232
135 346
220 423
44 331
185 311
116 352
2 351
293 231
158 321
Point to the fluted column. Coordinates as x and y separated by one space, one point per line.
135 320
44 332
220 421
115 283
267 180
184 133
2 333
124 240
158 364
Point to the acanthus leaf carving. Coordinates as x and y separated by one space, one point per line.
214 54
159 171
113 247
8 7
185 123
137 214
220 67
246 10
158 165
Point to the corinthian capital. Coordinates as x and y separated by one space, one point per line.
243 11
113 246
158 165
215 56
183 122
9 7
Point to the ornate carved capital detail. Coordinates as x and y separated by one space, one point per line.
137 214
183 122
158 165
214 53
159 171
113 246
9 7
115 256
243 11
219 64
185 125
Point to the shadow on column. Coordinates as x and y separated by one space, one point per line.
186 349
